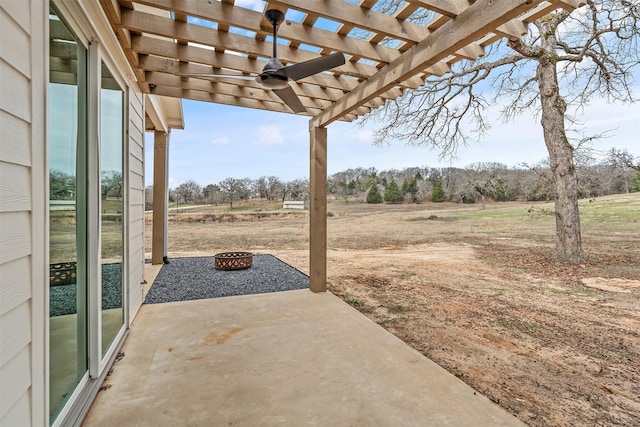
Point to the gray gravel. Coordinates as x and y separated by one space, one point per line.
196 278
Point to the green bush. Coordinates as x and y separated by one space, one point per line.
636 183
392 193
437 195
410 186
503 193
469 198
374 196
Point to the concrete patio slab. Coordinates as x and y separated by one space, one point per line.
287 358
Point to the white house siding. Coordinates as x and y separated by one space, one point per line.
136 199
22 212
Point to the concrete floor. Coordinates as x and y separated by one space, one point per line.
282 359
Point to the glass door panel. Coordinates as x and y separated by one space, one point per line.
67 219
112 195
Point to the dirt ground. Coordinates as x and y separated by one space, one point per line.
493 309
527 335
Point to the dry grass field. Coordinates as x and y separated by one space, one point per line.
476 291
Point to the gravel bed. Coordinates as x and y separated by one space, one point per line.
63 298
196 278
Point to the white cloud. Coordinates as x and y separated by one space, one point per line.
270 135
220 140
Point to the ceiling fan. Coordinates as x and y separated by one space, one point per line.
276 76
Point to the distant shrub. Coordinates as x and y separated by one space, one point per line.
437 195
392 193
503 193
636 183
469 198
374 196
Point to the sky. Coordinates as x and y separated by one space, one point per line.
223 141
63 107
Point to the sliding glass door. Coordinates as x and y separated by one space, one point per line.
68 323
87 199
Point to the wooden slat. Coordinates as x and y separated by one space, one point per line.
171 66
362 18
471 24
176 45
197 55
450 8
230 100
145 23
224 88
114 12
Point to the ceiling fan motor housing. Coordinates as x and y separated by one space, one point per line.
271 76
274 16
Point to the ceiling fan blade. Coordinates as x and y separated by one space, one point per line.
291 99
314 66
221 76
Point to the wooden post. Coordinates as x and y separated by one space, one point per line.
160 197
318 211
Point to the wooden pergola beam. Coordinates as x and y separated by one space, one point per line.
195 59
198 95
450 8
293 31
473 23
171 29
356 16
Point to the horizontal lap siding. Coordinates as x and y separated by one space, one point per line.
136 200
15 213
23 212
17 274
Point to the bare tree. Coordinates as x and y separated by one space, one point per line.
273 184
231 188
623 159
566 59
481 179
189 190
260 187
111 183
212 193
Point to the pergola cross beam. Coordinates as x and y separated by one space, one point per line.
468 26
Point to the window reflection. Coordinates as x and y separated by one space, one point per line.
67 218
112 195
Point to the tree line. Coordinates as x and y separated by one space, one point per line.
618 173
564 60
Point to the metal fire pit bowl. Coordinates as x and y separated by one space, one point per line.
233 260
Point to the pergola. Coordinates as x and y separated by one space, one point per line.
386 54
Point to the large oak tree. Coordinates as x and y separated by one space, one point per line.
566 60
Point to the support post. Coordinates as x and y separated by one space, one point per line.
318 210
160 197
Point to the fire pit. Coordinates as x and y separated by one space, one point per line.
233 260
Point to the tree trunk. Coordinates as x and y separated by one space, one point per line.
568 236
